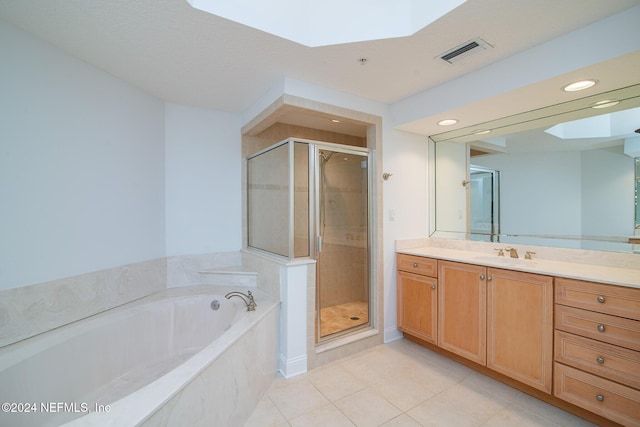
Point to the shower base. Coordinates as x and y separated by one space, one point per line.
344 316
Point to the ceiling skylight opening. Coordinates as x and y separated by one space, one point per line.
581 85
331 22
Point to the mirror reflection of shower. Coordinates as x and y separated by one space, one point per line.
484 203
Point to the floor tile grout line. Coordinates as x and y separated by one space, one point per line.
507 403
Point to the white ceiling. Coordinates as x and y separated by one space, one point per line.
187 56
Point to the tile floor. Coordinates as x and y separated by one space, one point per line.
401 384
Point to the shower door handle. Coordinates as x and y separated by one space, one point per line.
319 244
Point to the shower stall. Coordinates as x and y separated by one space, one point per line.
311 199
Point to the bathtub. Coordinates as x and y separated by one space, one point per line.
166 359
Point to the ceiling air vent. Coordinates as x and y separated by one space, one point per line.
464 50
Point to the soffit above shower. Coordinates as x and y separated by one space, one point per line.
331 22
285 113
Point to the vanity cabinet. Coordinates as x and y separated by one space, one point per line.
462 310
520 326
577 343
417 296
597 348
502 319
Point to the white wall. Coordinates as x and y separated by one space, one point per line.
81 166
203 167
406 212
90 166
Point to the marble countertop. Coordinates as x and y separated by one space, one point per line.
628 277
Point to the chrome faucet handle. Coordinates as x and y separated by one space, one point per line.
500 251
513 253
528 255
252 303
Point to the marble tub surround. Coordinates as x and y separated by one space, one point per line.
33 309
614 268
173 340
185 270
226 392
230 276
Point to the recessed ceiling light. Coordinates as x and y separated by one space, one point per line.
581 85
605 103
482 132
447 122
335 120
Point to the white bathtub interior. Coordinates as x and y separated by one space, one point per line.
119 353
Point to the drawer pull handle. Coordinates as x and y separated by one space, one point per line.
601 299
489 278
433 286
601 328
599 397
600 360
415 265
482 277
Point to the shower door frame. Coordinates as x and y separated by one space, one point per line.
314 147
315 216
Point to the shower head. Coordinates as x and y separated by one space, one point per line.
325 157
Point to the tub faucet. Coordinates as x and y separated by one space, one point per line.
248 299
513 253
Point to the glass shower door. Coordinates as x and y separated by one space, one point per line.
343 241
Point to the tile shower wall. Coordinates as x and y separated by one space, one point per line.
268 201
344 274
343 260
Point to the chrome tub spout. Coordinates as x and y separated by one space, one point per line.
248 299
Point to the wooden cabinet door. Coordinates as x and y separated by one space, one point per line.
462 309
520 326
417 305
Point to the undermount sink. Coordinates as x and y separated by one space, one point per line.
514 262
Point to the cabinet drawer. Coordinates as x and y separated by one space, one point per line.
609 299
606 360
598 395
418 265
601 327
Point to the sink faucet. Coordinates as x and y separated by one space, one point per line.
513 253
248 299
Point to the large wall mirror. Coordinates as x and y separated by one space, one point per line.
564 176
